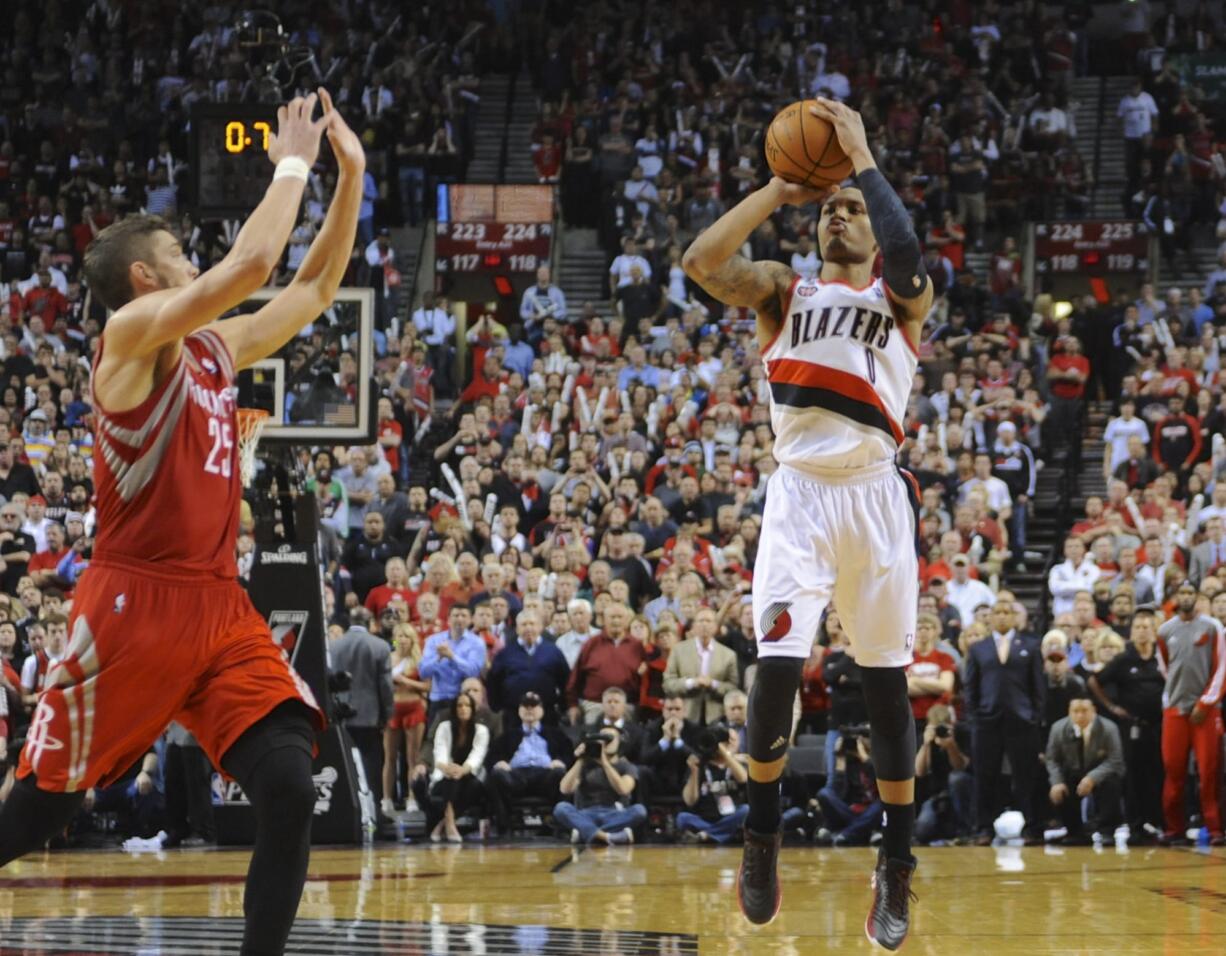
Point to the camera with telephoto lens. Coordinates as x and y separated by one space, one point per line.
943 730
706 743
854 731
593 745
339 683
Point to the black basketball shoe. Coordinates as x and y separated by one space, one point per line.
889 918
757 881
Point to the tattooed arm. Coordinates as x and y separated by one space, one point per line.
713 260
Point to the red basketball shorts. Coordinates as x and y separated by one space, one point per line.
145 648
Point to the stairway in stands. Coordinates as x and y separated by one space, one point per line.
488 145
407 243
1046 534
1043 537
1084 102
502 149
520 121
1110 174
582 268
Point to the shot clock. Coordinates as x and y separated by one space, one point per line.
230 165
239 138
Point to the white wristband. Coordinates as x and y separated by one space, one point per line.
292 167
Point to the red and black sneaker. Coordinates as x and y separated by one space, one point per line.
757 881
890 917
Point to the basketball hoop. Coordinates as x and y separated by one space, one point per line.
251 422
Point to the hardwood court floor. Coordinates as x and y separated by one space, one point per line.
626 901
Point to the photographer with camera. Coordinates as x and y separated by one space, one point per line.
851 807
600 783
843 676
715 789
947 790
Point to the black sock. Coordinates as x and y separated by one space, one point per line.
272 763
764 813
30 817
899 829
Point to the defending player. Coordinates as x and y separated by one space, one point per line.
840 355
160 627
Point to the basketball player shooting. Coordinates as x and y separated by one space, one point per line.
160 628
840 355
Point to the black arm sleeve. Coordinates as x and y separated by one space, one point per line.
900 249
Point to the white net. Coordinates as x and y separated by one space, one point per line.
251 423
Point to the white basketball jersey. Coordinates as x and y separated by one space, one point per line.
840 371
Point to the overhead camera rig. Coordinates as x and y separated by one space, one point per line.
274 64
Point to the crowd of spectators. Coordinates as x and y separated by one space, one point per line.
659 112
561 565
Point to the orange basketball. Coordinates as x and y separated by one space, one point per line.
803 148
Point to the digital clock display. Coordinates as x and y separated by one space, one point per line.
229 157
238 138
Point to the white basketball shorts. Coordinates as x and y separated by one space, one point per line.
846 536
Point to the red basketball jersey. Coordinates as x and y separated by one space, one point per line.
167 471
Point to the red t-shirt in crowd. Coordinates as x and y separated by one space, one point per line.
1067 389
814 694
46 560
380 597
547 160
480 387
930 666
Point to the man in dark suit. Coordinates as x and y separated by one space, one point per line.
367 659
1138 469
525 664
667 751
527 760
1005 691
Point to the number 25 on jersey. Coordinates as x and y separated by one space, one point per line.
218 462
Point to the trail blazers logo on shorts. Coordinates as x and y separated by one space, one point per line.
776 622
286 627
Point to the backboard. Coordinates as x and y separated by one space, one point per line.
317 387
